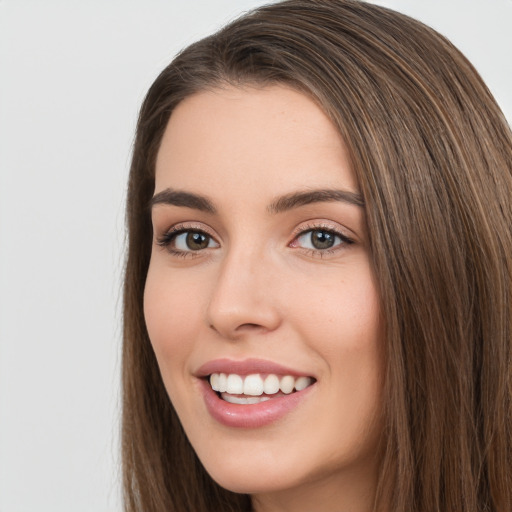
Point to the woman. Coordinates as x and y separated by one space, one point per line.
318 286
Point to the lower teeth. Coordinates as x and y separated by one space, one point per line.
244 400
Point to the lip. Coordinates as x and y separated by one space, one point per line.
250 415
246 367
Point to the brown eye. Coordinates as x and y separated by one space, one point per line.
196 241
321 239
186 241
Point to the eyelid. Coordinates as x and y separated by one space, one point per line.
326 225
189 226
167 237
333 228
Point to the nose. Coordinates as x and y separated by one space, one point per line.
243 301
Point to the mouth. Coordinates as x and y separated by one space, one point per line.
252 393
256 387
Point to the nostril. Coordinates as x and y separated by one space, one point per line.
246 326
250 327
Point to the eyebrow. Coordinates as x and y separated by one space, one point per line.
185 199
281 204
297 199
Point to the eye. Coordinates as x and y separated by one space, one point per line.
182 241
193 241
320 240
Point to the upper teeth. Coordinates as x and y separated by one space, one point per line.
256 385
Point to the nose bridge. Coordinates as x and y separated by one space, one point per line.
241 300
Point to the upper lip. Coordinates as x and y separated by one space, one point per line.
246 367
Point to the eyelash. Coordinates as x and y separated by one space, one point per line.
170 236
304 230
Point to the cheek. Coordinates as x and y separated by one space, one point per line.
171 315
342 323
341 315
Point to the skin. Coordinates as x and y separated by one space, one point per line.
261 290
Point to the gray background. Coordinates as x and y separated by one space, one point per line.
72 76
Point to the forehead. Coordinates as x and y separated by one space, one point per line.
252 137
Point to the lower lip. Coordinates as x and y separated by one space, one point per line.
251 415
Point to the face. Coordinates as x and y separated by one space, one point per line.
260 301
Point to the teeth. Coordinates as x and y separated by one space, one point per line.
214 381
302 383
235 384
223 382
271 384
244 399
287 384
255 386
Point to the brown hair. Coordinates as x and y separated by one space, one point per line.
433 157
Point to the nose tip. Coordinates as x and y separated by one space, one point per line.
233 318
242 302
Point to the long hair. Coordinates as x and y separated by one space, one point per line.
432 153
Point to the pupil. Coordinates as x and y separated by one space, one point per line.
196 241
322 239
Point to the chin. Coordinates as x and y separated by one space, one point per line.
246 472
250 480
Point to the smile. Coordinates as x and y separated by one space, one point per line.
252 393
256 388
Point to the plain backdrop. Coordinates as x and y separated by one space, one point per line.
72 76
